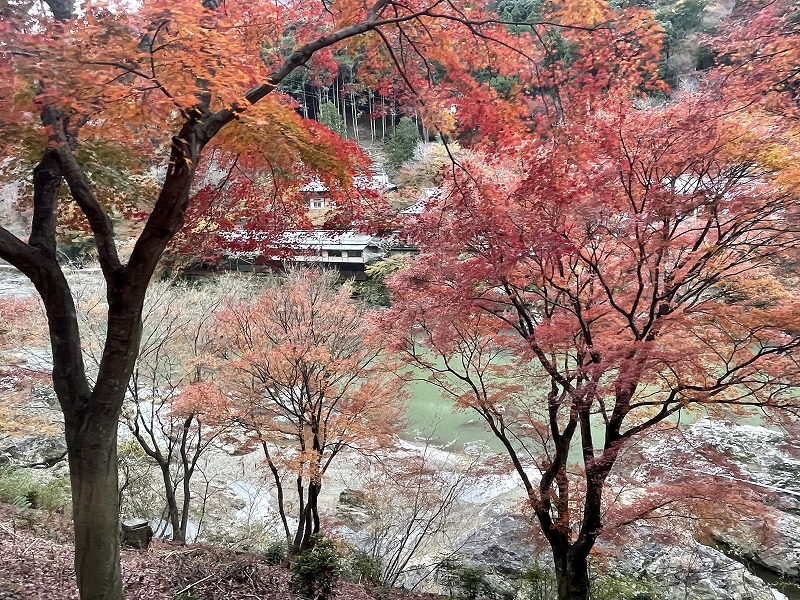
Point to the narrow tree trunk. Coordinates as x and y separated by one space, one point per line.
172 503
307 529
188 470
313 502
308 521
297 543
279 487
187 498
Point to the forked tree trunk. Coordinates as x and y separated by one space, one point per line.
91 415
308 520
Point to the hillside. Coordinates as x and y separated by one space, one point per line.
37 563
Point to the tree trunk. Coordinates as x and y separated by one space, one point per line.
92 452
308 524
313 502
572 577
180 537
172 502
279 487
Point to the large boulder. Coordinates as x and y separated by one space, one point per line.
776 551
503 547
768 457
36 451
353 498
354 508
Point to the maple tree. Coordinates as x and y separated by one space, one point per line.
154 81
758 57
634 270
309 383
90 101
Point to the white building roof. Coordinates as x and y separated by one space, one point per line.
376 183
302 239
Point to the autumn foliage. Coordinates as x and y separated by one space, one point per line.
120 104
613 246
309 384
634 269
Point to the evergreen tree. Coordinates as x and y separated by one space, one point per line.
401 145
330 117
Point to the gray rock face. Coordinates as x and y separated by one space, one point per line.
688 569
503 546
772 461
36 451
355 498
354 508
777 552
768 457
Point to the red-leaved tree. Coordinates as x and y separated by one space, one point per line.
114 97
637 266
309 383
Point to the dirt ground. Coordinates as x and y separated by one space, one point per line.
36 563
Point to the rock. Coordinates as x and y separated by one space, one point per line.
768 457
136 533
778 552
354 498
503 550
43 397
354 508
687 568
37 451
502 547
763 458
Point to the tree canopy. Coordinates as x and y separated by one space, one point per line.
624 248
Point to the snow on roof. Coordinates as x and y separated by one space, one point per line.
377 183
303 239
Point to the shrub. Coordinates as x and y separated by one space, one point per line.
315 575
54 496
360 567
275 553
538 583
464 583
17 487
614 587
20 489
